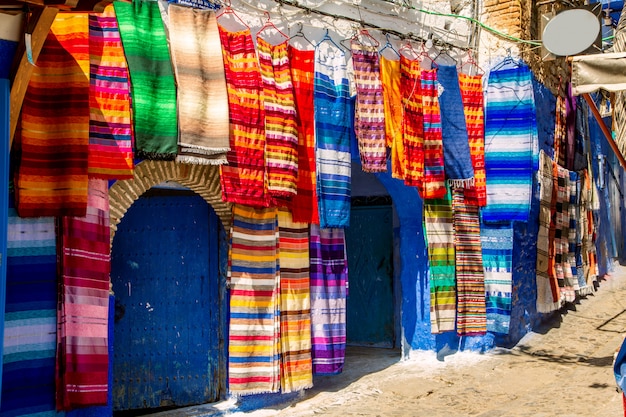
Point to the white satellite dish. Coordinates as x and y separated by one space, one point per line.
571 32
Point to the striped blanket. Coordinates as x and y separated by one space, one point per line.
254 328
392 99
412 123
510 144
52 177
202 98
30 318
560 214
433 184
497 245
332 136
439 233
295 304
329 275
588 230
152 79
83 314
110 124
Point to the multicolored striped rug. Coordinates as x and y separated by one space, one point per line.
392 100
412 122
497 245
254 328
153 85
560 215
83 314
110 124
52 177
329 285
433 185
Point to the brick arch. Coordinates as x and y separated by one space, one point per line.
202 179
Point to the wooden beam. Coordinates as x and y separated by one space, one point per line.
605 130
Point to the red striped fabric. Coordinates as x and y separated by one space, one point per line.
434 182
412 122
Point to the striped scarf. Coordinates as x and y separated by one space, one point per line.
83 315
510 144
254 328
497 245
439 232
52 176
412 122
243 179
110 124
295 304
202 97
304 204
332 136
370 110
153 85
560 214
573 227
392 99
588 230
433 184
329 283
281 130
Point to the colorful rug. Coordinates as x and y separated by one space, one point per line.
439 233
392 100
295 304
30 322
110 123
560 215
433 184
281 129
574 188
52 177
304 204
332 135
329 284
83 314
412 122
153 86
254 328
510 144
202 97
497 244
588 230
564 133
370 111
471 316
243 178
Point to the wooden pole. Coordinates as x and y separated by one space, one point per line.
605 130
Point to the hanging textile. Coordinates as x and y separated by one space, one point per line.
570 124
510 144
470 278
304 204
83 311
392 100
588 230
153 86
332 137
573 228
52 178
412 122
370 111
110 123
456 151
30 317
560 214
295 304
497 244
472 94
202 98
329 283
439 232
281 130
243 178
433 184
254 328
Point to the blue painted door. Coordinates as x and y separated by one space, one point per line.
369 245
165 275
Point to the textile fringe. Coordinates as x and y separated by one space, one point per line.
154 156
186 159
461 183
587 290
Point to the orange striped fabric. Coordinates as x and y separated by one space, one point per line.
412 122
434 182
392 99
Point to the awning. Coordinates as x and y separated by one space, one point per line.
598 71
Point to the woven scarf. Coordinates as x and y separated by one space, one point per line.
560 214
329 283
304 204
573 228
202 98
83 314
30 321
392 99
433 184
565 132
110 124
497 244
243 178
456 151
51 178
510 144
588 246
295 304
439 232
370 110
254 328
332 137
412 122
281 129
470 278
152 79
